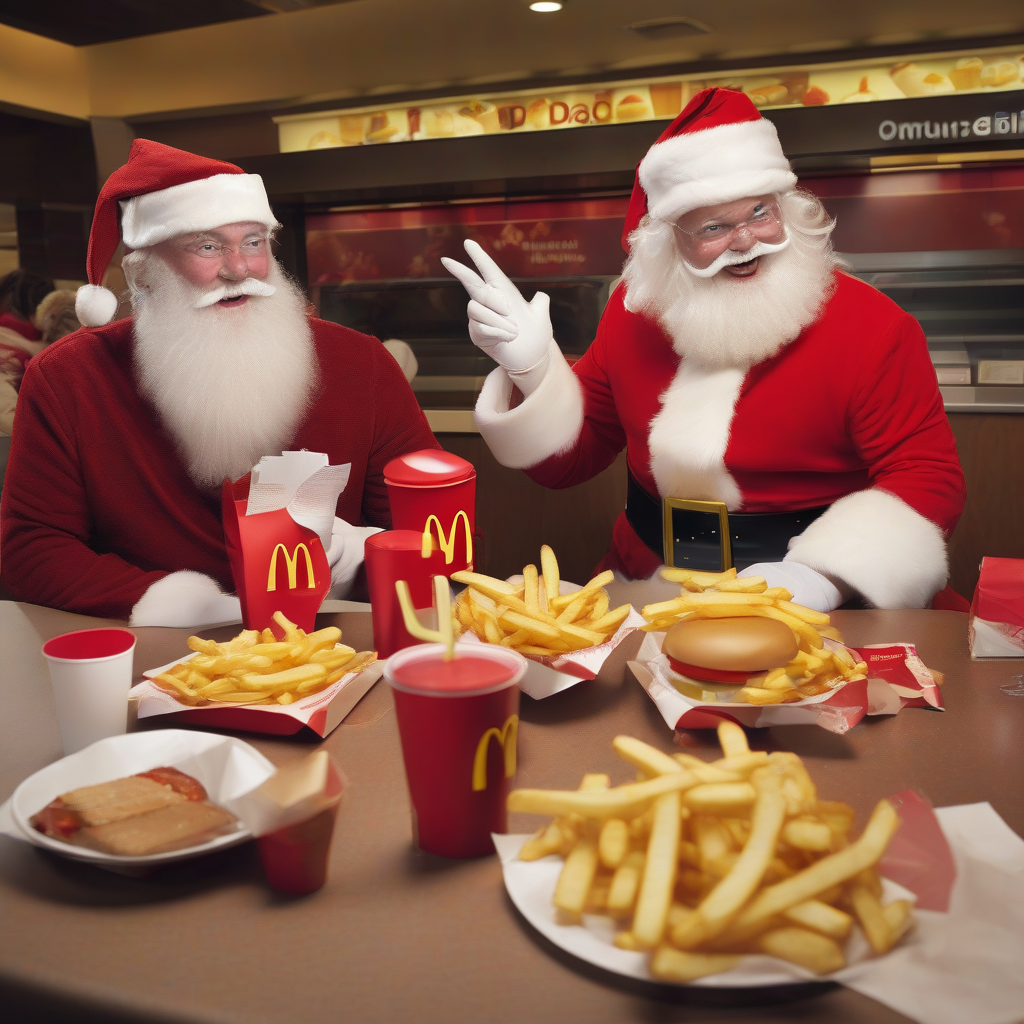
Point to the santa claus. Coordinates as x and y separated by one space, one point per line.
777 414
125 431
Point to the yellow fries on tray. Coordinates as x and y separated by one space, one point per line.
815 670
257 668
534 617
698 882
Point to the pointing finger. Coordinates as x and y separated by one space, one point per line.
484 293
492 273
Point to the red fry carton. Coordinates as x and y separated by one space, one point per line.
997 612
277 564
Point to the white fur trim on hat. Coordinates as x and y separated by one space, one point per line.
95 305
880 546
199 205
716 165
546 423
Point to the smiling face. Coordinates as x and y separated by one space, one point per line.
703 235
224 255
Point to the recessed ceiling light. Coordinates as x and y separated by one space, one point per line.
545 6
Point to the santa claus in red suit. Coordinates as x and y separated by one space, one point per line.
791 410
125 431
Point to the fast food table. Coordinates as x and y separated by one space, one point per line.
399 935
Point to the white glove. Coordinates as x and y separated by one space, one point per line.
186 599
346 554
808 587
513 332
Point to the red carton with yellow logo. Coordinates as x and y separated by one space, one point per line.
277 564
434 493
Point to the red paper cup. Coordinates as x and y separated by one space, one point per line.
295 857
392 556
434 492
458 721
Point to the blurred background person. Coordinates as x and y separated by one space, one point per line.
21 291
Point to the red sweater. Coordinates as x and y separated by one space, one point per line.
97 505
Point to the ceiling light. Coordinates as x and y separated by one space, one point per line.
545 6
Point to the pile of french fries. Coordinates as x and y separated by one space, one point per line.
702 862
534 617
257 668
816 669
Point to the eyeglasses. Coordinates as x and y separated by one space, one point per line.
764 221
207 248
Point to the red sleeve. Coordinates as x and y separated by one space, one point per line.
900 428
399 427
601 437
45 521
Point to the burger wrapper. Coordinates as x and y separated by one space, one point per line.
545 677
897 678
322 712
960 963
278 523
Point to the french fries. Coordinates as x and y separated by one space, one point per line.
815 670
257 668
698 882
533 617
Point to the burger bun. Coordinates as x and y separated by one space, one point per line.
729 650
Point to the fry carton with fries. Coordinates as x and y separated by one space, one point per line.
566 631
733 647
259 683
278 524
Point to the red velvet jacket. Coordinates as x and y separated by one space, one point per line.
97 505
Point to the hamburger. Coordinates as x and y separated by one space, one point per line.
709 658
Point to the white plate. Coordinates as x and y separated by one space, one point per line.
531 884
227 768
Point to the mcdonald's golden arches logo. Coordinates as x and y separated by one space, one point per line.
447 543
292 564
506 737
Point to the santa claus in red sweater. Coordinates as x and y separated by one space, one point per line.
125 431
777 414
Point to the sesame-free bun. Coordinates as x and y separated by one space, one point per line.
743 646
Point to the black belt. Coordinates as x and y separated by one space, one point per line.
706 535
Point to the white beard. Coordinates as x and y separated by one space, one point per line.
724 322
230 385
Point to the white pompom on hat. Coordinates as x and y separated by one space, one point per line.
163 192
717 150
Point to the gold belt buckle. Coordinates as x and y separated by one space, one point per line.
718 508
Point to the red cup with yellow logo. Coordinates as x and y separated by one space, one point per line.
458 721
434 493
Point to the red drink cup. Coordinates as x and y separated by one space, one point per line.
458 722
434 492
392 556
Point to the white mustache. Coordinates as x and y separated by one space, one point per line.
248 286
730 258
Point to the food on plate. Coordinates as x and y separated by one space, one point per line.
862 94
538 113
257 668
914 80
769 95
815 97
716 658
534 617
1000 72
151 812
967 73
632 108
484 112
381 130
704 862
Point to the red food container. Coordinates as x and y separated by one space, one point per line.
391 556
295 858
458 721
434 493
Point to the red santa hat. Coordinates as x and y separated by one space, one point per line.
163 192
718 149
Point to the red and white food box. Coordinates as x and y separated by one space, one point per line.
997 612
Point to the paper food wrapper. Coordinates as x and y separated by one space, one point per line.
322 712
996 627
545 677
227 767
897 678
955 966
278 523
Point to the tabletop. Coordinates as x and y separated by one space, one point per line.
397 934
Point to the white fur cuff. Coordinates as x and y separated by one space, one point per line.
546 423
186 599
880 546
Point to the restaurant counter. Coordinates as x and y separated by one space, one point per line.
398 935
